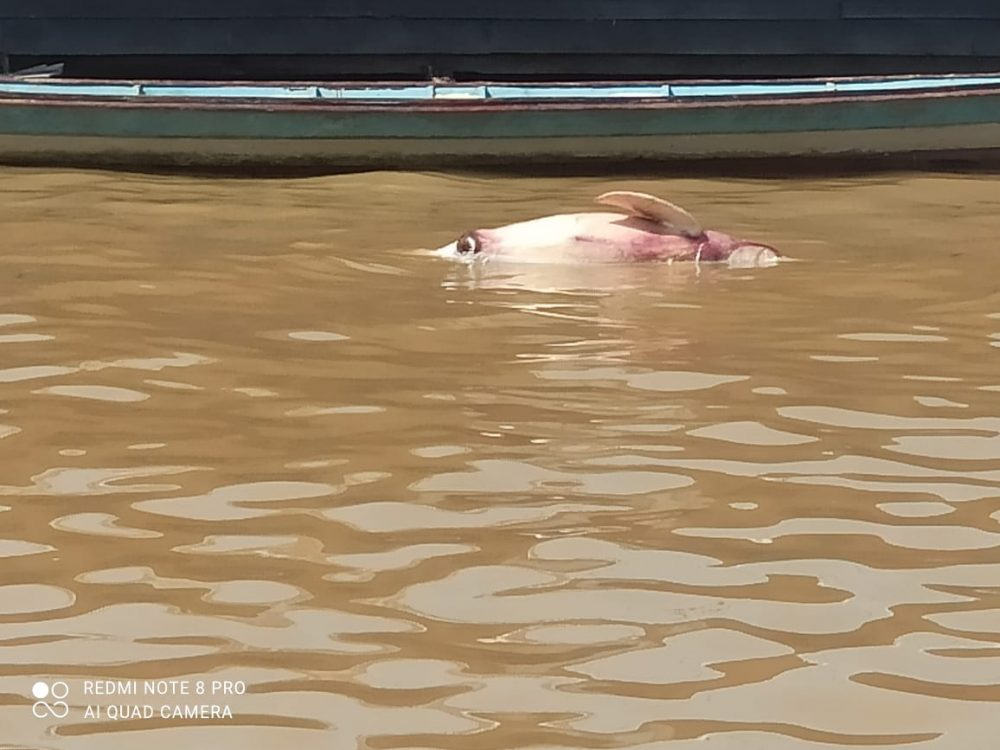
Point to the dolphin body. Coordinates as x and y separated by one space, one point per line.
642 228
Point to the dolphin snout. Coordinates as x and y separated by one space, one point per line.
449 251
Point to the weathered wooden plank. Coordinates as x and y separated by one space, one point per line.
451 9
480 37
937 9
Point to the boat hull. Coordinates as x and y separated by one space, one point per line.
975 144
219 131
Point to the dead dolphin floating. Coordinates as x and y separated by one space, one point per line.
646 228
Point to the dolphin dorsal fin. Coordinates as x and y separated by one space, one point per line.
655 209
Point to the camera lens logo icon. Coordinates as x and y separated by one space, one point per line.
56 692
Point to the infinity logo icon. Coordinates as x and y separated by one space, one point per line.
58 708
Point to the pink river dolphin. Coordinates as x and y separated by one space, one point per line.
642 228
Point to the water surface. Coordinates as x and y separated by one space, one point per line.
248 433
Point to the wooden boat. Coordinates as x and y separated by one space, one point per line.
149 124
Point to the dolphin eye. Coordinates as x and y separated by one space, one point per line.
467 244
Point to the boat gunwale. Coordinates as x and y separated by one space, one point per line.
638 82
476 105
463 95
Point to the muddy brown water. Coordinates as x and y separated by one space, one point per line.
249 434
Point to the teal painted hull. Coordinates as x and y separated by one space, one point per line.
149 125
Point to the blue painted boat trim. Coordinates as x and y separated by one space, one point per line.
182 91
619 91
69 89
483 92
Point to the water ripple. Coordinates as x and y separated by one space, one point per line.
250 433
